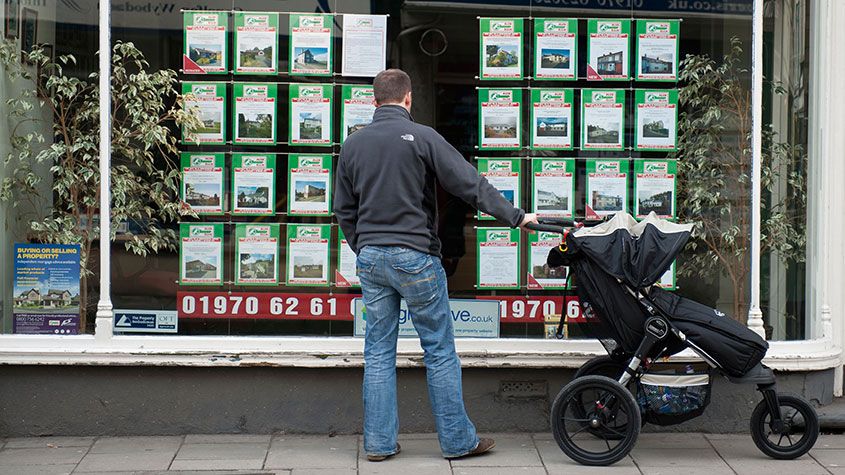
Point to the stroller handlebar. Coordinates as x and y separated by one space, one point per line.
552 225
548 228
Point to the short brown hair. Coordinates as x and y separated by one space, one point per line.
390 86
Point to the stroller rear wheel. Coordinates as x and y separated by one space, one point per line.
590 408
798 434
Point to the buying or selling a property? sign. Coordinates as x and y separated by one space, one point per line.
46 289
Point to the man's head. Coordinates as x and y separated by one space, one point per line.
392 86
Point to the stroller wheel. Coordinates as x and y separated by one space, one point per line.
798 435
603 405
604 365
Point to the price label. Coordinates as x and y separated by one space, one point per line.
265 305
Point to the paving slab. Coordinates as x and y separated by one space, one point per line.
830 458
114 462
418 456
685 458
324 471
63 469
298 452
718 470
38 442
134 445
745 458
556 461
227 439
499 471
830 441
41 456
511 450
681 440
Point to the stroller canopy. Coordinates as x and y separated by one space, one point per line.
638 253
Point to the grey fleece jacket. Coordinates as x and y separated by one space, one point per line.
385 187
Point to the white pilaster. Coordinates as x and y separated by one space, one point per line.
105 313
755 315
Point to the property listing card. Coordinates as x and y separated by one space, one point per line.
310 115
655 188
255 113
357 109
553 187
608 49
208 101
309 185
364 45
498 258
499 124
201 254
656 119
308 254
205 49
556 49
257 254
346 274
607 186
540 275
256 42
657 50
500 54
551 119
504 175
602 119
202 182
253 184
310 44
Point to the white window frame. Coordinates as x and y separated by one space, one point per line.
826 263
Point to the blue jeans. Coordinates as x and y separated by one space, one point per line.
388 274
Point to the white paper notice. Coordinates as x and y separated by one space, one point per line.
364 45
347 268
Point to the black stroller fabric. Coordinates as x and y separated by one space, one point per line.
727 342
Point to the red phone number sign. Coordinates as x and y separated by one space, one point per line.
537 309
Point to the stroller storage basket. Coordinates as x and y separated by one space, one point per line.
670 397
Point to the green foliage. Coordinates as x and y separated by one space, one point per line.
714 171
144 174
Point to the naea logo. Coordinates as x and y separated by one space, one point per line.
549 96
557 27
609 27
310 162
604 96
554 166
202 161
501 25
607 167
499 166
362 93
258 231
204 90
201 231
257 20
255 91
657 27
656 167
498 235
310 92
657 97
311 21
501 96
205 20
308 232
255 161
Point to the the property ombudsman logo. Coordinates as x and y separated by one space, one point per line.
549 96
308 92
205 20
204 90
657 27
202 161
498 236
604 96
311 21
656 167
308 232
499 166
310 162
255 161
557 26
364 23
554 166
255 91
607 167
257 20
609 27
501 96
657 96
362 93
258 231
501 25
202 231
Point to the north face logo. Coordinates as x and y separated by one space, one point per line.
408 137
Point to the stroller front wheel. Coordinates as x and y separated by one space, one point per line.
593 407
798 434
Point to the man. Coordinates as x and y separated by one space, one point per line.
386 205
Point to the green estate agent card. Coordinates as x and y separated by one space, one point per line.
503 174
202 182
309 185
308 254
499 124
257 254
607 186
656 120
657 50
556 49
255 113
498 257
256 42
358 109
205 49
310 44
253 184
540 275
608 49
602 119
208 101
500 53
655 188
553 187
201 254
310 115
551 119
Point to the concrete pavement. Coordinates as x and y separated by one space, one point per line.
515 453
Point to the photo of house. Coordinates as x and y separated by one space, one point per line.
307 267
255 126
257 266
656 65
610 63
502 56
198 268
356 124
655 129
603 202
207 55
500 128
605 133
549 200
555 58
310 191
256 56
204 194
310 125
212 122
552 126
311 58
660 203
253 197
546 272
37 299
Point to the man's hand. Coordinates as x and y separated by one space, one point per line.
528 218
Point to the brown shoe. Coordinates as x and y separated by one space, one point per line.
380 458
484 446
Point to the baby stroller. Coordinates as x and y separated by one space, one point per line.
597 417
